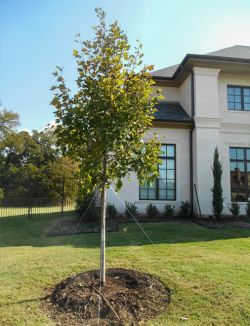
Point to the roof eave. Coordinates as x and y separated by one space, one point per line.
201 57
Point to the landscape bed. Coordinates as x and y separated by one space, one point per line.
128 298
207 270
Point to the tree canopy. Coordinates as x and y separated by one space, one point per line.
103 124
8 122
31 166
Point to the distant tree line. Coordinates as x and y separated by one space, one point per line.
31 165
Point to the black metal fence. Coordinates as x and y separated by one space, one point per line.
60 198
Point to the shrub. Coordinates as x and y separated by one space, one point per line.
184 209
111 211
248 209
131 209
217 186
86 208
152 211
1 193
235 209
169 210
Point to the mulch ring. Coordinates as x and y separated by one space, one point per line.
67 227
128 298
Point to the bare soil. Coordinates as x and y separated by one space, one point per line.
128 298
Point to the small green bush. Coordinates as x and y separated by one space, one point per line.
111 211
131 209
248 209
1 193
184 209
152 211
235 209
169 210
86 209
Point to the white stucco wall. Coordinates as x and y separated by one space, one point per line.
234 138
215 126
130 190
185 95
171 94
230 116
235 129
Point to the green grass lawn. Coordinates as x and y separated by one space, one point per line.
208 271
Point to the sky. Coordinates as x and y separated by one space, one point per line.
38 35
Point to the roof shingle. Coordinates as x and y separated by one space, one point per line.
171 112
236 52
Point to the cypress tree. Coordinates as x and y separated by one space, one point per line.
217 187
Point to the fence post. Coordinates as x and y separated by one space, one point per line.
62 199
29 211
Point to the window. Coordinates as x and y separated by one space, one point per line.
163 188
240 173
238 98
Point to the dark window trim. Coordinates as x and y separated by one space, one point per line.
241 97
157 180
245 161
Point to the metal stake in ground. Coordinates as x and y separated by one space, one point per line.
103 227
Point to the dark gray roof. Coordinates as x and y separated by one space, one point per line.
172 112
235 52
165 72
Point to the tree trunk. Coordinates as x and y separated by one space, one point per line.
103 229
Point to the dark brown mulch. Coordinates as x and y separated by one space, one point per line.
65 227
128 298
223 223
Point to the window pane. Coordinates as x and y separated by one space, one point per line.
240 174
143 193
247 107
163 183
237 106
170 194
240 154
163 174
163 150
162 194
170 164
170 150
157 190
246 91
230 90
236 91
170 174
233 166
238 196
237 99
151 193
232 153
246 99
163 165
231 106
170 185
240 166
230 98
248 153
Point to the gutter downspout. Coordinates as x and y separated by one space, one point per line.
191 147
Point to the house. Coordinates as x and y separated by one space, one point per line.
207 104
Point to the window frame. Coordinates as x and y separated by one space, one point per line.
241 97
157 179
245 161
